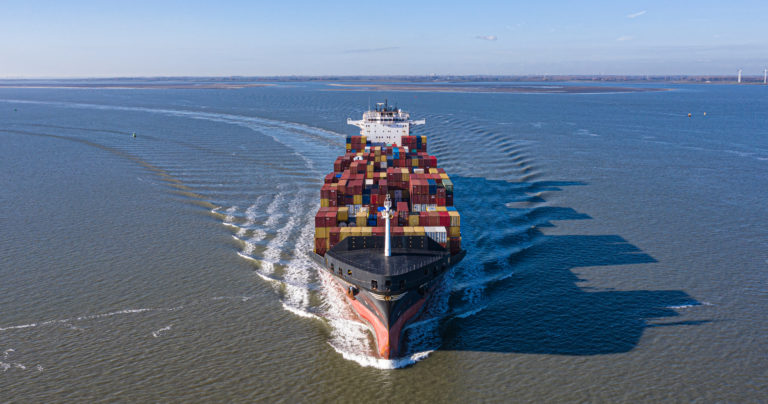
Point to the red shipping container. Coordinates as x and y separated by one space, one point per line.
445 219
321 245
334 236
330 218
424 219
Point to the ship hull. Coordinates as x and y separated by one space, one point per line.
379 315
387 315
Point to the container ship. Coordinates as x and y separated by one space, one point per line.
386 229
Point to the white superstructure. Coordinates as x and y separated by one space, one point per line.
385 124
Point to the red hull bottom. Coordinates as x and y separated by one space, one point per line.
387 338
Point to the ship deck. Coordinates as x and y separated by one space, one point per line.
402 261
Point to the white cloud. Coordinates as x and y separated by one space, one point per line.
487 37
625 38
637 14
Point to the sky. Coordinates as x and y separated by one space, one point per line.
116 38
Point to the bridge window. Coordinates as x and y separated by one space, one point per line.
402 284
340 271
388 284
374 285
331 267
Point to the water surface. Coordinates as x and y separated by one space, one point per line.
616 247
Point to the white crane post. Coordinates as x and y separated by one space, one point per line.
387 214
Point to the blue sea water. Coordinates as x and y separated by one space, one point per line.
616 247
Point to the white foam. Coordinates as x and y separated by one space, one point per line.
267 278
16 327
300 312
275 246
83 318
470 312
384 364
5 366
481 281
299 269
240 298
159 332
258 235
114 313
689 305
250 216
229 219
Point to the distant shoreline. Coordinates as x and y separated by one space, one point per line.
137 86
235 82
457 87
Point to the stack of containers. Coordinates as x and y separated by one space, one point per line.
356 143
367 174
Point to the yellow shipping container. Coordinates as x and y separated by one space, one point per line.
442 209
369 167
433 171
419 230
369 175
363 140
321 232
454 231
357 199
415 162
342 215
324 202
455 218
408 231
360 220
367 231
349 147
445 176
344 233
413 220
423 140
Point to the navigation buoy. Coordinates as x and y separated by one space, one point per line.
689 115
705 114
134 133
14 110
